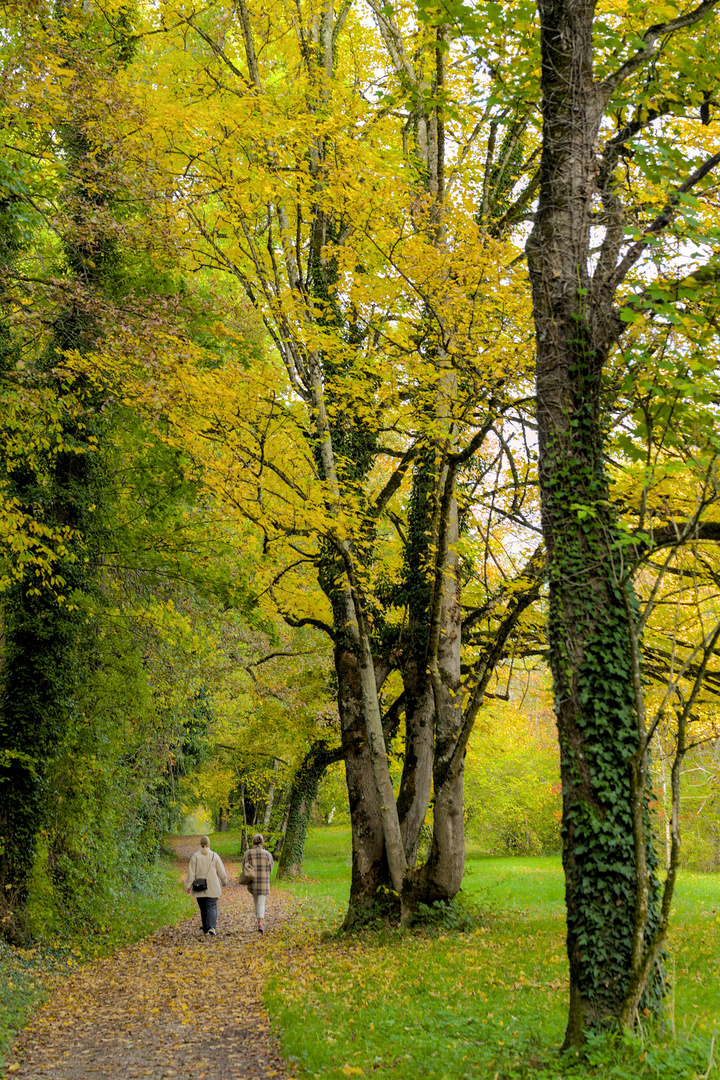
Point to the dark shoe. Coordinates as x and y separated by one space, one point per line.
212 931
261 929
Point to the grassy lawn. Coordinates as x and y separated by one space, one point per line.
483 998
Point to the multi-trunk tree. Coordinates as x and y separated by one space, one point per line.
313 168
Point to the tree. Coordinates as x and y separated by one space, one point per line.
60 485
329 201
106 542
597 113
303 793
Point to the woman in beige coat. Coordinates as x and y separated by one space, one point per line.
206 864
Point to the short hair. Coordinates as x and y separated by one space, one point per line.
257 839
204 841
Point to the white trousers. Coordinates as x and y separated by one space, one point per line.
260 906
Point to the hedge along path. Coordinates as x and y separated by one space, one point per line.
176 1004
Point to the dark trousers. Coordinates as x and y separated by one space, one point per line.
208 912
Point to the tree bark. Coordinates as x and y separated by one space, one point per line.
416 780
303 793
370 874
441 876
590 645
443 873
417 775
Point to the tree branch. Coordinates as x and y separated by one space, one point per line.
676 534
649 46
274 655
395 480
215 48
661 221
317 623
250 53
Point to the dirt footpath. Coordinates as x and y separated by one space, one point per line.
177 1004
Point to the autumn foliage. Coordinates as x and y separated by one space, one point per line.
334 343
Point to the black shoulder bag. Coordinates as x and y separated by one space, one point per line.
200 883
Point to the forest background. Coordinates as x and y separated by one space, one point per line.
270 495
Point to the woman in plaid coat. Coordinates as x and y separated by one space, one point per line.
261 862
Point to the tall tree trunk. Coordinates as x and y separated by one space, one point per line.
443 873
590 644
416 779
244 842
369 863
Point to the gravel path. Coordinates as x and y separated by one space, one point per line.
177 1004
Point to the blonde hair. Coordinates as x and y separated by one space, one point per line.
257 839
204 841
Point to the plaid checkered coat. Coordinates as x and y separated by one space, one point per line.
262 863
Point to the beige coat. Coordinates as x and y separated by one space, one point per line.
207 864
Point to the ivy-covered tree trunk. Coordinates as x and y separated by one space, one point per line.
417 774
416 779
303 793
590 644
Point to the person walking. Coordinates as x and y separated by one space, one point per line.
206 867
261 862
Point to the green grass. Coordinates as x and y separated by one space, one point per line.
487 1002
695 952
26 972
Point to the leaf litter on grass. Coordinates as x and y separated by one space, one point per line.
484 1003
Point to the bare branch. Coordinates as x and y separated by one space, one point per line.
275 655
317 623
